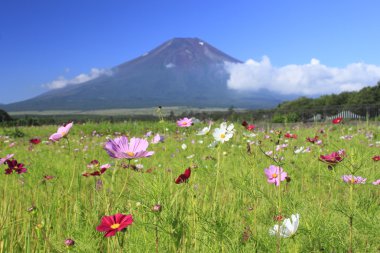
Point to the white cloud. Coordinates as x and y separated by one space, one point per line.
313 78
81 78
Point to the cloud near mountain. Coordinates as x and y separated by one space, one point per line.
313 78
61 81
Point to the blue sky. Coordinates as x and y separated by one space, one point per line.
44 40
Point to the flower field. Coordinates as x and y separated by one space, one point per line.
190 187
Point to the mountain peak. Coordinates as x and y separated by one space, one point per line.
179 72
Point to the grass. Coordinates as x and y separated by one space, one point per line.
37 215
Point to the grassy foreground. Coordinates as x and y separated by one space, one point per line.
226 206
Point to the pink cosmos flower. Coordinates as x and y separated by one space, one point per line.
61 132
351 179
333 158
157 138
3 160
275 174
185 122
377 182
120 148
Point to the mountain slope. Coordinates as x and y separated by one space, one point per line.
180 72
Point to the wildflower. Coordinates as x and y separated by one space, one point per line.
157 208
377 182
183 177
376 158
61 132
185 122
290 136
337 120
351 179
247 126
3 160
250 127
35 141
224 133
205 130
157 138
333 158
69 242
275 174
288 228
47 177
103 169
120 148
346 137
184 146
15 166
114 223
312 140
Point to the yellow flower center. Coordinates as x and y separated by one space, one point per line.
274 175
115 226
130 153
353 180
184 123
222 136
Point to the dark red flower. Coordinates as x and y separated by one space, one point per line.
244 124
337 120
35 141
290 136
14 166
333 158
47 177
183 177
376 158
312 140
114 223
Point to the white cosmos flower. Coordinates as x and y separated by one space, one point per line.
184 146
205 130
288 227
299 150
224 133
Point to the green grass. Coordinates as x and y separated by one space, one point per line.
193 218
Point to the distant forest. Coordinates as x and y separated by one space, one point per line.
365 102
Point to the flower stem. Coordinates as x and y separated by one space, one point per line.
217 177
279 215
156 234
351 218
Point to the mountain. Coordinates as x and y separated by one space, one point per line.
180 72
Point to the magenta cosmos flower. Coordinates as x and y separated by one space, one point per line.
351 179
333 158
185 122
61 132
275 174
114 223
377 182
120 148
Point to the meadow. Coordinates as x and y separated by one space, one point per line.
226 204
